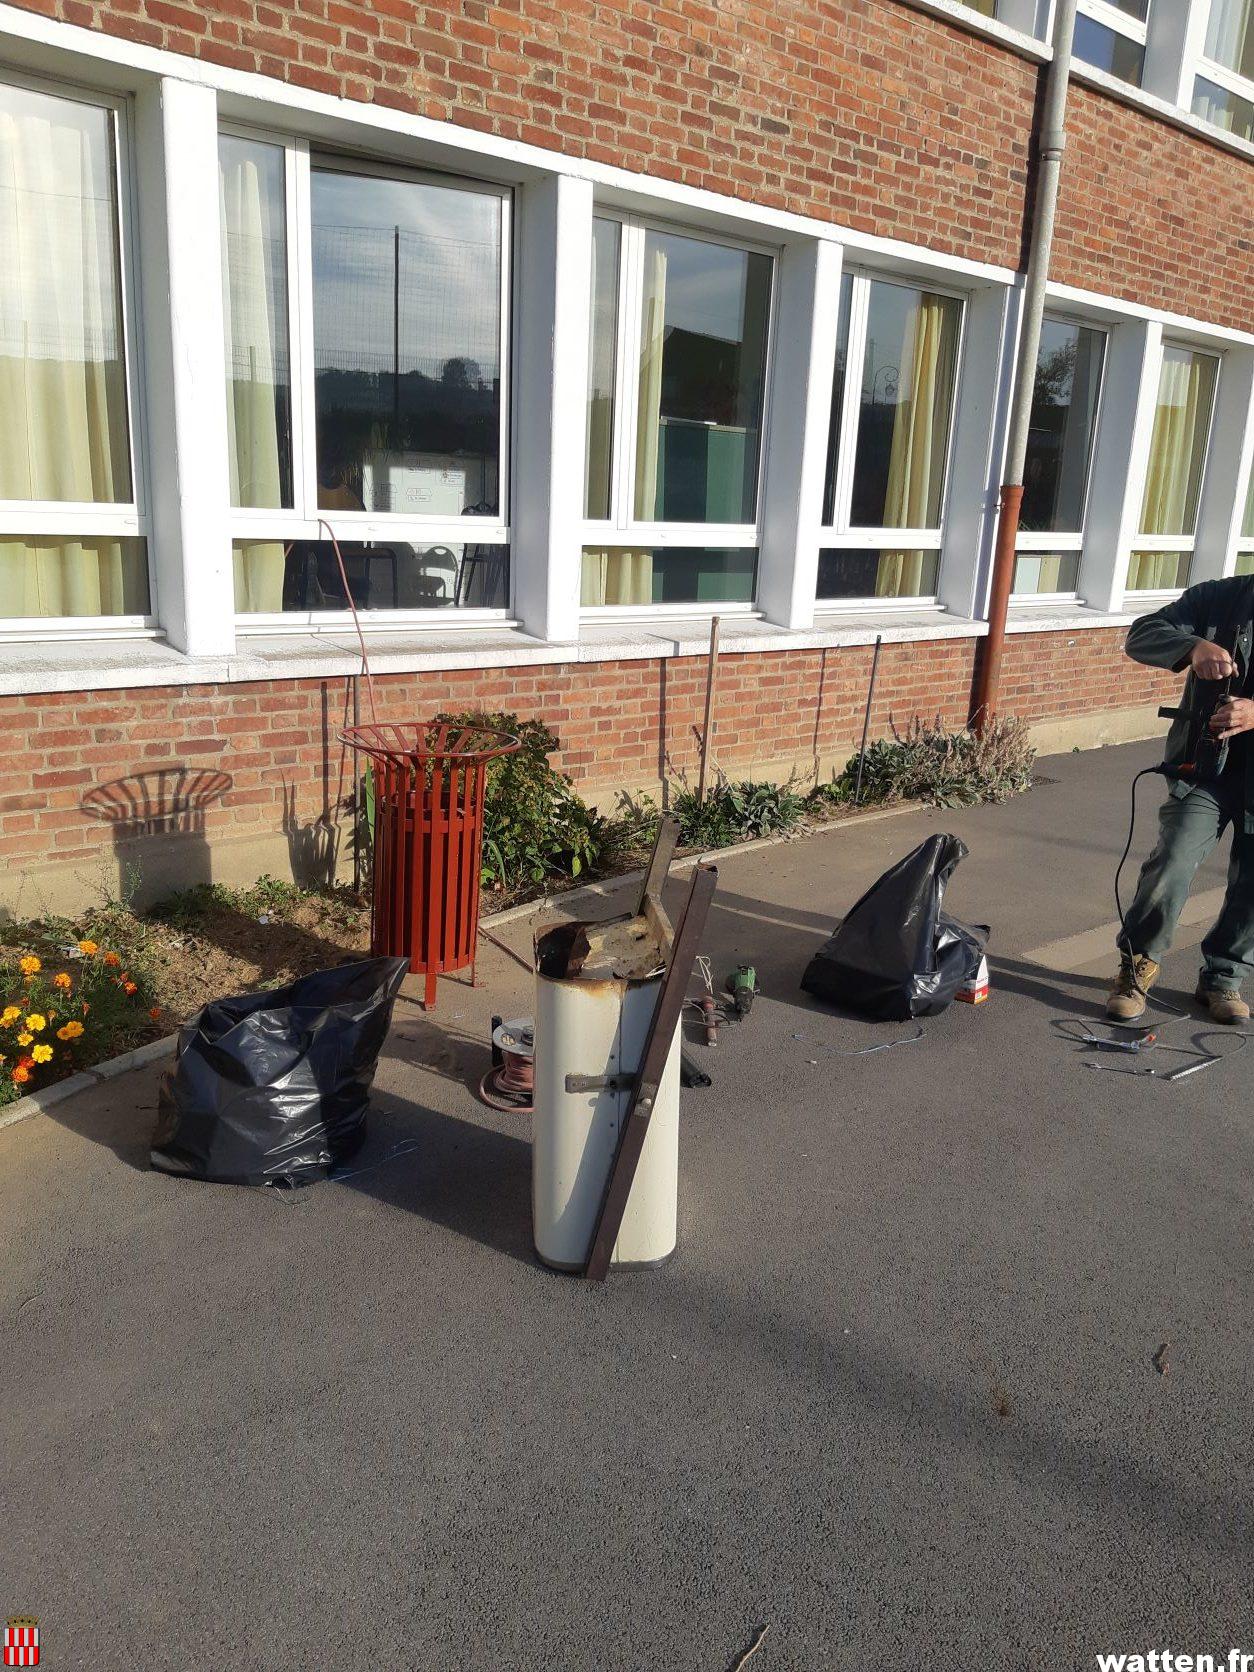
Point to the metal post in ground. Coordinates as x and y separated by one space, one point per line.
711 676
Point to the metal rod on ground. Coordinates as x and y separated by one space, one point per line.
711 675
866 718
1049 170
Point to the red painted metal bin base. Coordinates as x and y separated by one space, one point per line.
429 782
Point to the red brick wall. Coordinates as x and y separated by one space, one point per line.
861 111
269 761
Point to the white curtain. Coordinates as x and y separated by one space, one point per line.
250 275
649 410
1230 34
63 420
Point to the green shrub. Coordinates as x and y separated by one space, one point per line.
736 812
535 825
928 762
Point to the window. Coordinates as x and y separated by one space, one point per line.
72 542
1245 541
365 369
1110 35
1223 91
676 401
1177 463
1060 448
888 448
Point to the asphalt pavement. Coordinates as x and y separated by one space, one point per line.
952 1368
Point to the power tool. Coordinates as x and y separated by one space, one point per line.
1206 755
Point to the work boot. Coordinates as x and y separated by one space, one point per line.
1126 1002
1224 1003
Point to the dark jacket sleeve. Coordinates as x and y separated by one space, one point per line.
1166 638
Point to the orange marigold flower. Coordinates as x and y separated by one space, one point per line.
9 1016
112 959
21 1074
62 981
30 965
155 1012
71 1030
88 948
129 987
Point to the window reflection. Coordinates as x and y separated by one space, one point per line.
909 370
1060 439
1106 49
876 574
702 371
627 576
276 575
407 345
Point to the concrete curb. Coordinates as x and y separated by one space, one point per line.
607 885
36 1102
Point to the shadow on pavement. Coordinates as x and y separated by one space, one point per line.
471 1179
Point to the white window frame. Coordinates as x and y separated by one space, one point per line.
1175 542
840 534
303 520
622 528
1119 23
1028 543
1210 69
129 519
1245 540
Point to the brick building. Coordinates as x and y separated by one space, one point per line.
578 323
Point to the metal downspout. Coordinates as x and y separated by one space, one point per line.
1049 171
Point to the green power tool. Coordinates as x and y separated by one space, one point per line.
742 984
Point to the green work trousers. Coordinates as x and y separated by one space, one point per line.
1188 829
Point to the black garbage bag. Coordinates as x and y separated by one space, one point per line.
897 955
272 1087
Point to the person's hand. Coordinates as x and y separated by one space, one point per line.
1233 716
1211 661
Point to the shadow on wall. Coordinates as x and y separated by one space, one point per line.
157 820
313 849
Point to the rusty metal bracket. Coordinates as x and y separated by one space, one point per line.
657 1047
600 1082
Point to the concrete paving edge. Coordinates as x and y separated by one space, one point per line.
37 1101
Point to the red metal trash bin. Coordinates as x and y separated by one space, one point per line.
429 781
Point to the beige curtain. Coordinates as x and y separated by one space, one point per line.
920 441
649 411
1155 571
251 370
63 419
1178 445
618 576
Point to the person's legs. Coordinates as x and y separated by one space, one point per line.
1188 829
1228 950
